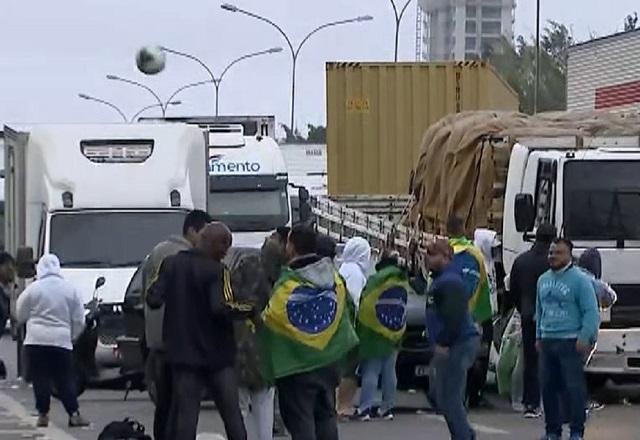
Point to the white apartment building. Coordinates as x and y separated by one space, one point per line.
464 29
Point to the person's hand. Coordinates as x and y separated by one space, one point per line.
442 351
538 345
583 347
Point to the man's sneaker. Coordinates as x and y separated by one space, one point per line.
363 416
532 413
43 421
387 415
77 421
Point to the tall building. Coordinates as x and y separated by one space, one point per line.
464 29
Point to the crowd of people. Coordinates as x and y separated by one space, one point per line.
283 333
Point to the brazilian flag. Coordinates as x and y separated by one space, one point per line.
480 302
305 326
382 316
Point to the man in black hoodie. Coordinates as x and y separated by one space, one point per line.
200 309
523 290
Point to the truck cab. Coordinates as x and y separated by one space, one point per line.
100 197
590 190
248 184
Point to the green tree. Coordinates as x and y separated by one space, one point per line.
292 136
317 134
631 22
517 65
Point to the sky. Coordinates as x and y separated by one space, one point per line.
52 50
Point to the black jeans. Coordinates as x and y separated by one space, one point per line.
188 385
52 365
531 392
308 404
562 369
160 375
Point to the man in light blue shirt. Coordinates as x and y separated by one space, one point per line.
567 322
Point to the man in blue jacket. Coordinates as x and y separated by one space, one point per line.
567 322
454 335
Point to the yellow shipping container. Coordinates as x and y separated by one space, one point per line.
377 114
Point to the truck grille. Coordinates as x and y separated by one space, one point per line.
625 312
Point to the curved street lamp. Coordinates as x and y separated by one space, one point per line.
103 102
142 86
295 51
149 107
399 14
216 81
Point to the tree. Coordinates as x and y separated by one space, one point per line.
631 22
517 65
292 136
317 134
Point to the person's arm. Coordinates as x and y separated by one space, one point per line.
451 304
590 313
515 290
23 305
156 291
538 314
77 316
223 302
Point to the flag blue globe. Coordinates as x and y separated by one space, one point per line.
151 60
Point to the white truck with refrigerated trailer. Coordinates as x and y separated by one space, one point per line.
100 197
248 178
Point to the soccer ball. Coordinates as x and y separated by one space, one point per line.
151 60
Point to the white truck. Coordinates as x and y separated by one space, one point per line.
100 197
248 179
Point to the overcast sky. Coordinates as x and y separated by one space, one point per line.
51 50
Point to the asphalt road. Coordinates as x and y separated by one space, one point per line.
617 421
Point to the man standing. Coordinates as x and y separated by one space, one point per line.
567 321
470 262
306 332
198 333
158 375
525 272
456 339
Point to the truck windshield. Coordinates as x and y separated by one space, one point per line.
110 239
602 200
250 210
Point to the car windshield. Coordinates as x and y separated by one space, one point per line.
110 239
602 200
250 210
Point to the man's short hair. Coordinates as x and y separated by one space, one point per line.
565 241
545 233
440 246
325 246
455 226
195 220
304 239
5 258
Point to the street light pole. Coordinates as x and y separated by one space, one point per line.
399 16
295 52
137 84
216 81
149 107
102 101
537 80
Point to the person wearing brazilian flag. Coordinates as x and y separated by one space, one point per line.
306 333
381 323
470 262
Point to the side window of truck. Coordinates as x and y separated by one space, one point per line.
545 197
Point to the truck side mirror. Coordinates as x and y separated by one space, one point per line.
100 282
303 194
25 264
304 207
525 213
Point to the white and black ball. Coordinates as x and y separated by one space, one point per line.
151 60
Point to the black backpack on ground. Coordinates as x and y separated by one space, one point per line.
128 429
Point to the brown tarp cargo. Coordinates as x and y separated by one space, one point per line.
462 167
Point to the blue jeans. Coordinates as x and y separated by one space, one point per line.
372 370
562 368
450 374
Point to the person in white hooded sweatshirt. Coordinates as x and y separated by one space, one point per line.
355 267
54 314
